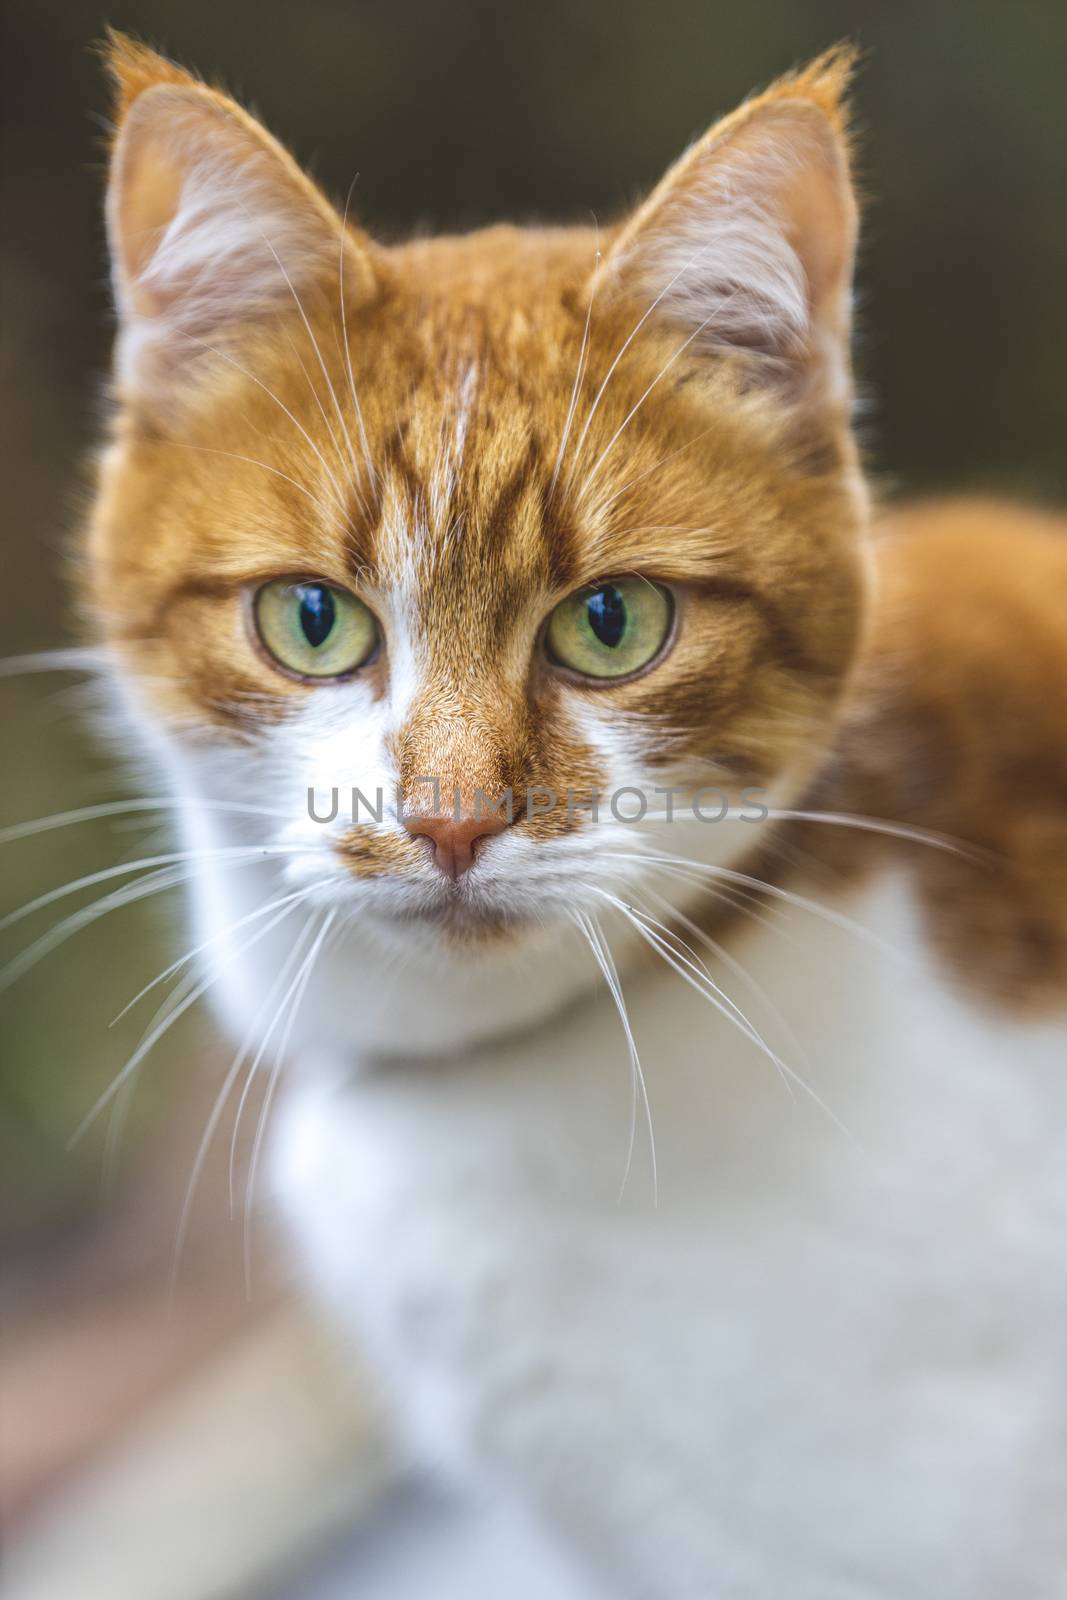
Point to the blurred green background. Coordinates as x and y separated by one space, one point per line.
453 113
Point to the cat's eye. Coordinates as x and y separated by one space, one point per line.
313 629
611 629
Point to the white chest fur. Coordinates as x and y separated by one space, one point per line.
824 1364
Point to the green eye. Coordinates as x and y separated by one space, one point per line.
610 629
313 629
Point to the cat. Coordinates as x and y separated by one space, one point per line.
692 1171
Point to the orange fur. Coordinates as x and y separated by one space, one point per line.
958 724
492 421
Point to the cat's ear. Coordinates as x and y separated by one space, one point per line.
747 244
211 223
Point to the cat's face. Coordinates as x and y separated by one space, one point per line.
539 512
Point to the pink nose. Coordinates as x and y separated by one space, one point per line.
452 842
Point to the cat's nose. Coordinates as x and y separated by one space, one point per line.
452 840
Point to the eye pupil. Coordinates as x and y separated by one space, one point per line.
606 610
318 613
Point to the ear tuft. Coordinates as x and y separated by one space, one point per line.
134 67
825 82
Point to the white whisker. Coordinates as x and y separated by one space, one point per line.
698 871
579 374
120 1106
298 991
693 977
598 944
223 933
87 659
693 970
689 957
656 466
246 1088
224 1094
151 884
319 357
170 858
149 1042
635 408
326 510
730 962
297 424
119 808
327 424
627 342
373 476
891 830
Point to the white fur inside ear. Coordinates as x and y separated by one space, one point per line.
735 282
747 244
210 226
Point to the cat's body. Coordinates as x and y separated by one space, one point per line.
814 1346
826 1364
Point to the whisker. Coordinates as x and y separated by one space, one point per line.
660 375
297 424
585 926
892 830
730 962
679 965
325 509
119 808
731 896
688 956
598 944
151 884
291 959
331 433
698 871
183 987
300 987
579 374
663 461
87 659
373 476
170 858
627 342
318 354
191 955
123 1101
223 1096
695 972
149 1042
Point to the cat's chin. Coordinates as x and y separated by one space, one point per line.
459 925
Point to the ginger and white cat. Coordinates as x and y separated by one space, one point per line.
700 1184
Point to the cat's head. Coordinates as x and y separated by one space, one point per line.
530 510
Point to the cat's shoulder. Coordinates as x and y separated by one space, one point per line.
974 592
957 724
